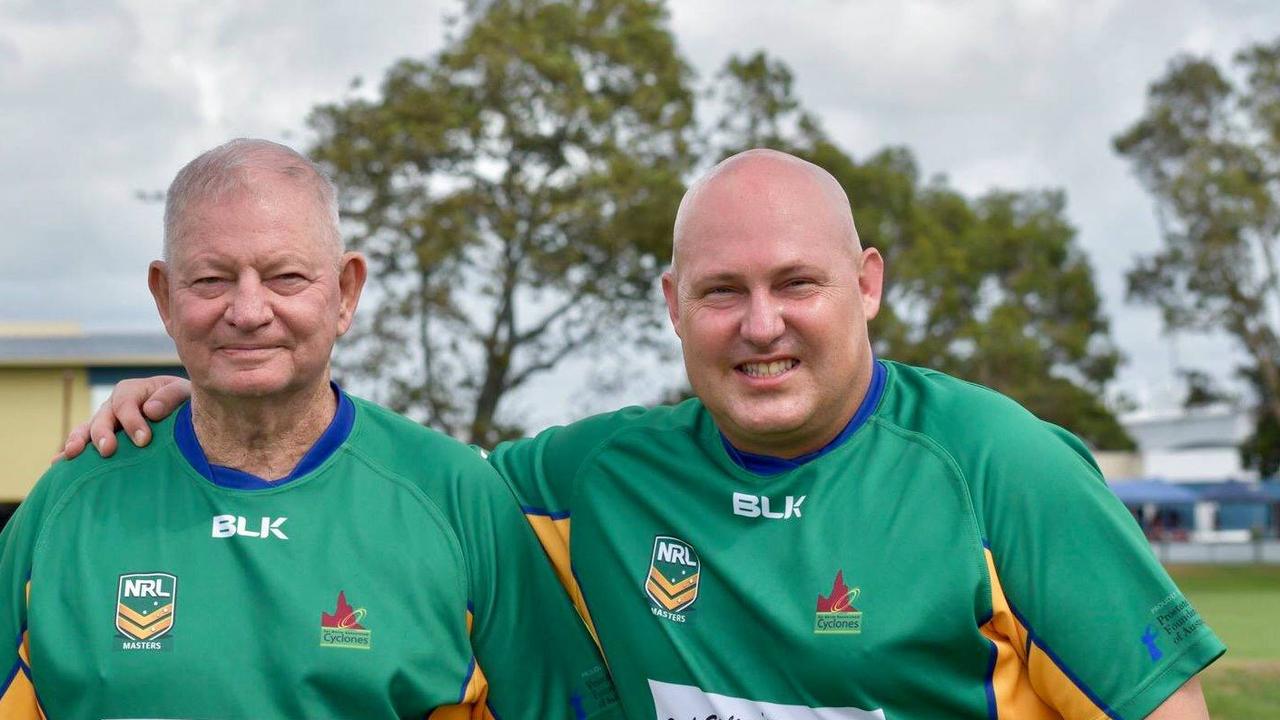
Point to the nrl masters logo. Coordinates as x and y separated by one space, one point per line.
672 582
145 607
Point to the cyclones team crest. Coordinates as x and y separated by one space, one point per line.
145 605
674 569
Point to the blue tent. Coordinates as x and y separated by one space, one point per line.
1159 492
1235 491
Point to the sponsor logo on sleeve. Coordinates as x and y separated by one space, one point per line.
1175 619
672 581
836 614
146 605
342 628
686 702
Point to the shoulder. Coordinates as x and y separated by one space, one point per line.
990 437
404 446
66 480
570 445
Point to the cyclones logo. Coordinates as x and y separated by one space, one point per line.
836 613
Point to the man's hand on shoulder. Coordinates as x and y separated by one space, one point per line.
155 397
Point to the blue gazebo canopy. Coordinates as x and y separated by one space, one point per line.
1159 492
1235 491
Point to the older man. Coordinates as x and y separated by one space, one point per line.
824 535
283 549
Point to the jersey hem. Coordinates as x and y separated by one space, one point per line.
1189 663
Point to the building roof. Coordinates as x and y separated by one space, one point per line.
88 350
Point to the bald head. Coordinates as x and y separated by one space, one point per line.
247 165
764 178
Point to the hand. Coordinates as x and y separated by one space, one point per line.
156 397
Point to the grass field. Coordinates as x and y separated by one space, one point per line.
1242 604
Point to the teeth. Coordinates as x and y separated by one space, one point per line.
769 369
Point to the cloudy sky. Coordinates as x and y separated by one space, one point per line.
102 98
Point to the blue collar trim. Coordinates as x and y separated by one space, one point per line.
770 465
184 433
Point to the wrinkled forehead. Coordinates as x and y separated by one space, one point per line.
255 223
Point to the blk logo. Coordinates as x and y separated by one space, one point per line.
225 526
760 506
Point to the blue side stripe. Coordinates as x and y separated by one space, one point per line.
492 712
17 661
990 684
554 515
1032 636
471 669
17 665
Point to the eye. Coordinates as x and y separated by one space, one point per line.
287 282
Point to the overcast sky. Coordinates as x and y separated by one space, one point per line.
101 98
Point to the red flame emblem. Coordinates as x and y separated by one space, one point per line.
841 597
344 617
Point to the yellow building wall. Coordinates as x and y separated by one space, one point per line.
37 407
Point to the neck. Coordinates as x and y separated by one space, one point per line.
264 436
805 440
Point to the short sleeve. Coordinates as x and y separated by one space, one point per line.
1102 629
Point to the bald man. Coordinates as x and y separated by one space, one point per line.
824 535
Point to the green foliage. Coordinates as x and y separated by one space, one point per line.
515 195
1208 149
992 289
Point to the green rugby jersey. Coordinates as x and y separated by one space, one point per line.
392 575
953 557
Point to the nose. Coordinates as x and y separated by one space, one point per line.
763 323
250 307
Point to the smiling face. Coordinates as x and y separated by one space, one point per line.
770 295
256 290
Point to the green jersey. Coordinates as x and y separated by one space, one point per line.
391 575
949 556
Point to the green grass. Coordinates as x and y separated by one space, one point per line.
1242 605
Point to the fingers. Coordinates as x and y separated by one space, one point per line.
102 429
76 443
167 398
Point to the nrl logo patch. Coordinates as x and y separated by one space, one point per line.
146 604
672 583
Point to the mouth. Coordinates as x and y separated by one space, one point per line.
247 349
767 370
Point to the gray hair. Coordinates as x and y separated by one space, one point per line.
223 169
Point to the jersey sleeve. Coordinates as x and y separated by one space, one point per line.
18 697
531 648
542 472
1090 619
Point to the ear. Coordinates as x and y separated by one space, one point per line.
669 292
158 281
871 282
352 273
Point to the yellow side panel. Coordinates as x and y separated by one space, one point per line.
554 536
19 699
1027 686
37 408
473 705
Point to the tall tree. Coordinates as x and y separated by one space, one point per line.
993 289
1207 148
515 194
